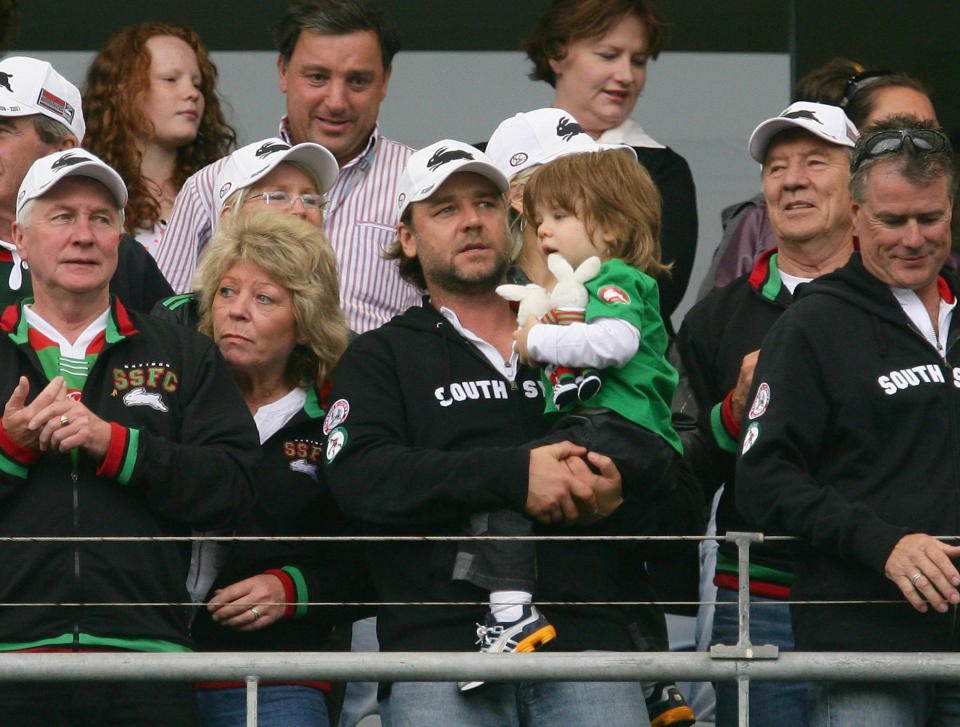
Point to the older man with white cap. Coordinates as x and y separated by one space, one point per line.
851 435
40 113
427 428
805 156
114 425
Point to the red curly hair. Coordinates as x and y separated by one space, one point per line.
117 82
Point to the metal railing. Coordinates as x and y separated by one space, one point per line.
742 662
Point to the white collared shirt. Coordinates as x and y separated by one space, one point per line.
271 417
630 133
506 367
15 282
917 313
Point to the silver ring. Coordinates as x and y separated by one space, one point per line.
914 578
256 613
64 420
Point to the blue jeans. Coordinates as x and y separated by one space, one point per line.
772 704
905 704
360 698
282 705
513 704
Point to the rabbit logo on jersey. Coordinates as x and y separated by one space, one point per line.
613 294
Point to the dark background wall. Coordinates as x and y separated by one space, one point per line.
916 37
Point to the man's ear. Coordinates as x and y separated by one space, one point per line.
69 142
855 211
16 232
515 196
281 73
407 239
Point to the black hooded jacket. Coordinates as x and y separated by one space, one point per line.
852 442
423 431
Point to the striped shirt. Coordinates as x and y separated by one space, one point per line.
360 220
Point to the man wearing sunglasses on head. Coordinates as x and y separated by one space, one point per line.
851 438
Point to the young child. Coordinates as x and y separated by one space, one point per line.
594 204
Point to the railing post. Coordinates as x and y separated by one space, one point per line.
744 649
252 700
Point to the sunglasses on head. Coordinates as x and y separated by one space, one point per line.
857 82
926 141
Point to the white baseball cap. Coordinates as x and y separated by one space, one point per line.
253 162
30 86
540 136
428 168
46 171
828 122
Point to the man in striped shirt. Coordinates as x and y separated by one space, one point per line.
334 67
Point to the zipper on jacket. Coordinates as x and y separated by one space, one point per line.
74 477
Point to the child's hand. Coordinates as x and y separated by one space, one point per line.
520 336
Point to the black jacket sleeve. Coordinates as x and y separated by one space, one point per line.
204 477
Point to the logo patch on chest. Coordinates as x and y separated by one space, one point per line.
142 397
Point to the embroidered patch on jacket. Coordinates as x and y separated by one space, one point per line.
336 442
336 415
613 294
141 397
306 467
750 436
760 402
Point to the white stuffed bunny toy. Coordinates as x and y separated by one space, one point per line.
565 304
568 304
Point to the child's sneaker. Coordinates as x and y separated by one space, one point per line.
667 707
525 634
589 385
565 392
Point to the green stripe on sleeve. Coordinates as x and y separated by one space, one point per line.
720 433
129 457
300 584
13 468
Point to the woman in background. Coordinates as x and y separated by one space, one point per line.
595 54
153 115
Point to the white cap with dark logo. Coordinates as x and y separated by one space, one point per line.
47 171
827 122
540 136
29 86
253 162
428 168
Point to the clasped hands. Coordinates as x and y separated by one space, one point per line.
54 421
563 489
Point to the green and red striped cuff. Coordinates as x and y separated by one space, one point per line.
294 590
121 457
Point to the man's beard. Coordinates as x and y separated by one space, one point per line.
477 280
